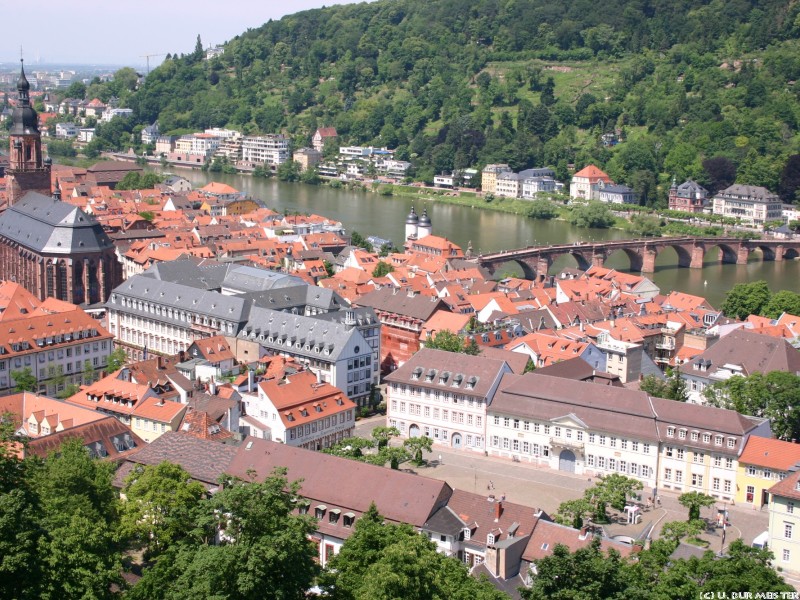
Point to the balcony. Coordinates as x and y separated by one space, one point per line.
665 345
566 443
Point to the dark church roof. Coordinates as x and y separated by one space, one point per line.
47 226
24 118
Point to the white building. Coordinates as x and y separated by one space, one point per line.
444 399
66 130
537 185
752 204
112 113
301 411
267 149
784 523
588 429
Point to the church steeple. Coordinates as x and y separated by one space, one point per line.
27 170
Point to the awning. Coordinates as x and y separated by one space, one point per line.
349 515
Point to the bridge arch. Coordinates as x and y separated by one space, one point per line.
684 254
727 253
791 254
767 252
635 259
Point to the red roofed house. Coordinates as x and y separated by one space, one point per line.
300 411
37 416
321 135
586 183
763 462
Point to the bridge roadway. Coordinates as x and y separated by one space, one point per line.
536 261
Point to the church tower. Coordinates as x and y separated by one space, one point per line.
28 170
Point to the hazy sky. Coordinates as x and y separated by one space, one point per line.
121 31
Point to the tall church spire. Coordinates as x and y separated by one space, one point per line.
27 170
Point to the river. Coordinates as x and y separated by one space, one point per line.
371 214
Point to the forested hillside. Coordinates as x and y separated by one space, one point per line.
692 88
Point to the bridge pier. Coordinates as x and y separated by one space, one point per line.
698 254
742 254
649 260
778 252
598 260
542 267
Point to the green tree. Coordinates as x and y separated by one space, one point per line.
694 501
572 513
592 214
359 241
382 269
289 171
774 395
263 546
781 302
116 360
586 573
416 445
451 342
383 434
160 508
25 380
387 561
675 531
543 209
89 373
352 447
745 299
613 490
672 388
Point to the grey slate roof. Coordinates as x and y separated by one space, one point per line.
754 192
451 372
49 226
196 272
301 335
179 297
242 278
691 188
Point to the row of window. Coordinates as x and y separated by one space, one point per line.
145 424
619 466
437 395
321 425
163 311
695 436
516 445
436 413
568 433
765 473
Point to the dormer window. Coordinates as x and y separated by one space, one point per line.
467 533
490 539
319 511
471 382
416 373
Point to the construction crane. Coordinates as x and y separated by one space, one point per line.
148 56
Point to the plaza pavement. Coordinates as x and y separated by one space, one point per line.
537 487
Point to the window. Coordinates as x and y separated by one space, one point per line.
516 423
751 470
646 448
728 463
670 432
506 421
536 427
697 480
557 432
526 426
612 464
591 438
635 446
694 436
698 457
718 440
580 436
612 442
715 484
669 451
590 460
667 474
679 453
787 530
790 508
727 486
623 444
731 442
706 438
786 555
602 440
767 474
682 434
601 462
497 420
717 461
678 476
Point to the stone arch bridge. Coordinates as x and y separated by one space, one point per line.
536 261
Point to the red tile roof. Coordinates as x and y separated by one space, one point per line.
771 453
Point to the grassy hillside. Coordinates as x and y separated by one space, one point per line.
694 88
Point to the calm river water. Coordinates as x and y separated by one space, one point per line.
370 214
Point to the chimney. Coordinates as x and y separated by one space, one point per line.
584 531
212 387
498 509
159 366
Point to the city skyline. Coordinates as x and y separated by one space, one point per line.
150 28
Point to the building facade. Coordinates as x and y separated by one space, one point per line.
784 523
447 401
270 150
689 196
751 204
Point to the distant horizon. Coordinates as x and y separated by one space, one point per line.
148 27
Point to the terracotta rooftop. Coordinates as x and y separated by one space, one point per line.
771 453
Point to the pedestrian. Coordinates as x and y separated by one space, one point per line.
658 500
491 484
440 459
503 497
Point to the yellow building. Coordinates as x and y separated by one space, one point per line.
784 523
764 461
